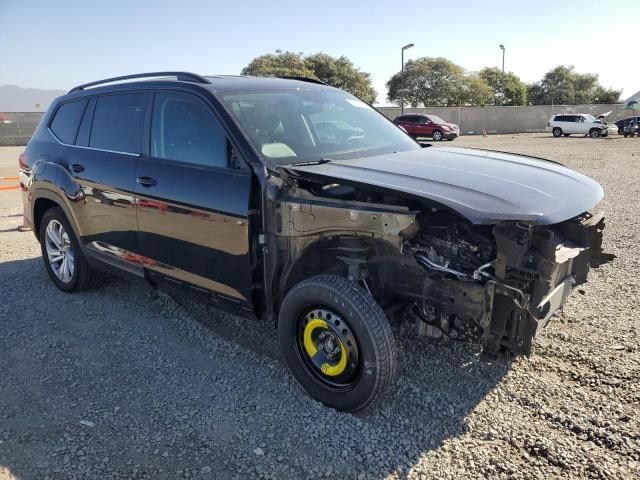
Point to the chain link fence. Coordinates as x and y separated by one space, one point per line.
16 128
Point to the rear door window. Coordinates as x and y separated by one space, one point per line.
118 122
67 119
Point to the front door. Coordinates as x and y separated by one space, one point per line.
193 205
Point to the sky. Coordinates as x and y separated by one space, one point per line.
57 44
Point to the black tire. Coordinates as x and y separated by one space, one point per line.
83 277
566 134
626 135
437 136
594 133
375 368
557 132
620 131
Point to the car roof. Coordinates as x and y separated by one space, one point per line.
213 83
231 83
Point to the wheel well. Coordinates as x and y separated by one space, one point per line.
342 256
41 206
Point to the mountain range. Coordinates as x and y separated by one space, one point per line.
18 99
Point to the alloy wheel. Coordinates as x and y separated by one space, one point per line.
59 251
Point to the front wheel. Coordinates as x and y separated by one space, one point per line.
437 136
594 133
337 342
557 132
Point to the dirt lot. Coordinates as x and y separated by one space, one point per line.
126 382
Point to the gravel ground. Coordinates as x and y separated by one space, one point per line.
127 382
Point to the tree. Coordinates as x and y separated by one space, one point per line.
475 91
563 85
515 91
337 72
279 64
437 82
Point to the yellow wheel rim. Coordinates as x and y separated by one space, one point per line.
311 348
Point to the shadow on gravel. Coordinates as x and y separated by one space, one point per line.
439 383
128 382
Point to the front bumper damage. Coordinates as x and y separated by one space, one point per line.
503 303
535 271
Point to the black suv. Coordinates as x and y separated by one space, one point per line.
297 203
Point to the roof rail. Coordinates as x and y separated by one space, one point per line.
302 79
182 76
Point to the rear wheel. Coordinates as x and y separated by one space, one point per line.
437 135
594 133
337 342
63 259
557 132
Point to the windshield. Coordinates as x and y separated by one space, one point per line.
436 119
292 126
590 118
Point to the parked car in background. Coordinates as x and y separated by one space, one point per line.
422 125
578 123
631 129
624 122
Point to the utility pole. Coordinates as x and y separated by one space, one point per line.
502 78
406 47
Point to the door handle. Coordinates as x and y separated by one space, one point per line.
147 181
77 168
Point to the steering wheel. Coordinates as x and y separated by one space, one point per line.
353 138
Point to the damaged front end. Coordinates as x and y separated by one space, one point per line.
497 285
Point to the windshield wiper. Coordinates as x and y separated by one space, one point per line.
310 162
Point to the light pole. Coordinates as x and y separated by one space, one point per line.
406 47
502 78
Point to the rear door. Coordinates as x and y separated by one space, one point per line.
410 123
193 202
567 124
103 164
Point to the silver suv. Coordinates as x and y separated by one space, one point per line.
579 123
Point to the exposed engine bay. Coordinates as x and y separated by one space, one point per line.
494 284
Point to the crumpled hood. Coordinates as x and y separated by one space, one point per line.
483 186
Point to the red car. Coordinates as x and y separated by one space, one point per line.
421 125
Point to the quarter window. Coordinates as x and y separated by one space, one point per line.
184 128
66 120
118 122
